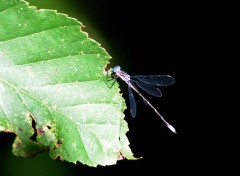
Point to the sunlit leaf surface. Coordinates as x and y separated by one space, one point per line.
52 93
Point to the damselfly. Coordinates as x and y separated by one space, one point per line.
147 84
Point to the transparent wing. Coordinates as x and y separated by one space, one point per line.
149 89
132 102
155 80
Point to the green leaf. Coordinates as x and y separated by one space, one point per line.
52 93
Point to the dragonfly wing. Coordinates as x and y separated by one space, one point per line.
132 102
155 80
149 89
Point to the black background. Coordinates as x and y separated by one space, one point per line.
197 44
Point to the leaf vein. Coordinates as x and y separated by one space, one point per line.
38 32
53 59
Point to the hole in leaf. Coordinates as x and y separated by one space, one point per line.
34 136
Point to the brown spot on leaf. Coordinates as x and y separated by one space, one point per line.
40 131
59 143
18 145
20 129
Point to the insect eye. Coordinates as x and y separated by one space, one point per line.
116 68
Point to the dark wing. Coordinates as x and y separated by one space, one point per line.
155 80
149 89
132 102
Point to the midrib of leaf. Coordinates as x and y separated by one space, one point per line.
38 100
